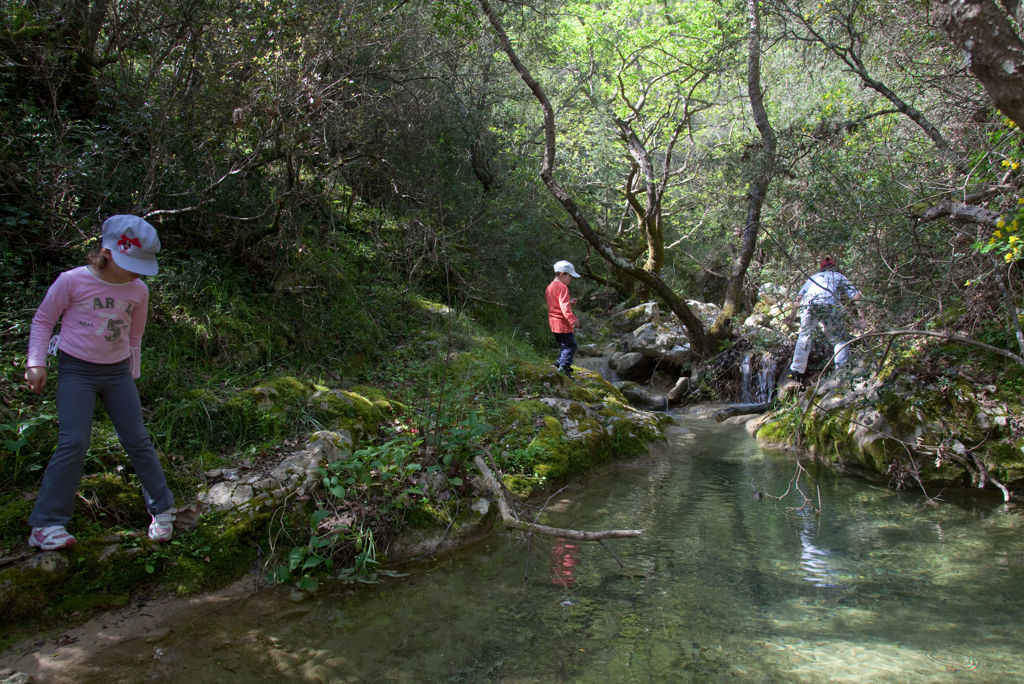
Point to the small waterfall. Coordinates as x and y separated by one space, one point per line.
767 376
759 373
746 393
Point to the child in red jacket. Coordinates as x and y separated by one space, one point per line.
560 316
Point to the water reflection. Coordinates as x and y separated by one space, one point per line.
814 560
722 586
563 561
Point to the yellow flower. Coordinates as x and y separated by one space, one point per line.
1009 257
1020 200
991 241
1014 238
998 233
1006 162
1000 223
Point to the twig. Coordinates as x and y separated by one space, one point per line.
612 554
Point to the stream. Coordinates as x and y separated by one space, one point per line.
726 584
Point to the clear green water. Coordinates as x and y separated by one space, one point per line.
721 587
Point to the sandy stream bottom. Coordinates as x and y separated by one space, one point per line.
65 658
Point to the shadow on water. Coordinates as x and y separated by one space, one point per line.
723 585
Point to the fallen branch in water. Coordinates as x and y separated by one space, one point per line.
741 410
513 523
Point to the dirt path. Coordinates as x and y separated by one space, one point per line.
66 657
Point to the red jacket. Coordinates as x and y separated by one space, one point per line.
560 315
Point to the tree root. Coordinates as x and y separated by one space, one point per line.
512 522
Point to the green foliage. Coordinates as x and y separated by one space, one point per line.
390 480
16 433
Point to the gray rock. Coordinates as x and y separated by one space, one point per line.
639 396
632 318
9 676
662 342
226 495
630 365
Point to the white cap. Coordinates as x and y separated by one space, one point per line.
564 266
133 243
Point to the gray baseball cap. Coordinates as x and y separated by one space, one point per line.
564 266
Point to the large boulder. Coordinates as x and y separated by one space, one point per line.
662 342
632 318
641 397
630 365
705 311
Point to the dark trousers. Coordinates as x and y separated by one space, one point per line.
566 349
78 385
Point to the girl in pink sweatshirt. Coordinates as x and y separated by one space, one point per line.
102 312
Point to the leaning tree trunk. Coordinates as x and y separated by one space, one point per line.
761 178
994 49
701 343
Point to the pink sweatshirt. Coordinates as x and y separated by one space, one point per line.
100 322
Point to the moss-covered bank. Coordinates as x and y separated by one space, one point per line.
938 417
377 483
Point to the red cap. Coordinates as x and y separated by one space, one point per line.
826 262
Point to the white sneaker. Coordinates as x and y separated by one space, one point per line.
50 538
162 527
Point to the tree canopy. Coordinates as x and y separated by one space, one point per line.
702 148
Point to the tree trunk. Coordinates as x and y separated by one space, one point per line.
1006 288
761 178
648 215
994 49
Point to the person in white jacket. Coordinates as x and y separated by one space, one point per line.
820 303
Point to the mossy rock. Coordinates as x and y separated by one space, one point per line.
25 593
1008 461
222 548
631 436
523 486
774 433
898 427
113 497
564 457
537 379
436 528
276 394
526 411
349 410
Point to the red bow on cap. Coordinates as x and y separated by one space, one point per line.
125 241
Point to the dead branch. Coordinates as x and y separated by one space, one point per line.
949 337
514 523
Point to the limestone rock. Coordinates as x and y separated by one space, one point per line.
634 317
630 365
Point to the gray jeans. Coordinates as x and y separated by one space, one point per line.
78 385
829 317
